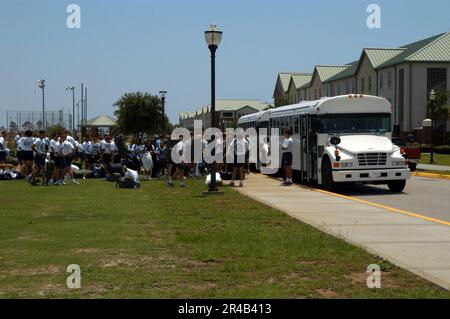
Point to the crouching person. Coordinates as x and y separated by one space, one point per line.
40 147
130 180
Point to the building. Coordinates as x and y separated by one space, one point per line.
281 93
228 113
404 75
297 85
100 125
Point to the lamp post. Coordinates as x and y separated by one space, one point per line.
432 98
41 84
163 95
72 88
213 38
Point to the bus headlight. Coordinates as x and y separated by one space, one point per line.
399 163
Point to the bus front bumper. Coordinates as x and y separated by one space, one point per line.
371 176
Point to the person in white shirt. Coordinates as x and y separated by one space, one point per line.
95 150
180 148
88 150
107 151
238 148
3 153
58 173
26 148
68 151
287 149
40 148
18 152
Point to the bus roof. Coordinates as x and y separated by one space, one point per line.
343 104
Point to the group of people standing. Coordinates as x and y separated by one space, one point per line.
51 158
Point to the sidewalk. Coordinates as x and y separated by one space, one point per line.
430 167
420 246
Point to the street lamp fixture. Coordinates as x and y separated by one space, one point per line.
163 95
213 38
72 88
432 99
41 84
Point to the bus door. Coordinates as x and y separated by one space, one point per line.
303 147
312 147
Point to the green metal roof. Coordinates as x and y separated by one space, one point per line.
348 72
420 46
234 105
379 56
228 105
285 79
326 72
301 79
436 51
102 121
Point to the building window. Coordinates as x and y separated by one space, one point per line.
362 86
381 80
320 93
370 83
389 79
347 87
227 114
315 94
436 79
339 89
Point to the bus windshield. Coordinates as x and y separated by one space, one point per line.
355 123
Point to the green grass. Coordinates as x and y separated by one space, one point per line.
439 159
157 242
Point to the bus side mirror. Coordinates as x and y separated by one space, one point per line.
335 141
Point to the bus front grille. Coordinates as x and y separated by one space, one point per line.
372 159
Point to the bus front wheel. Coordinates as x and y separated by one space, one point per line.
327 175
397 186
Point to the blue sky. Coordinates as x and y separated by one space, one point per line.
151 45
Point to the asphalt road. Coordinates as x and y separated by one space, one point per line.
425 196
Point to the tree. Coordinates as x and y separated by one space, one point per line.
55 130
441 115
281 101
13 126
139 113
27 126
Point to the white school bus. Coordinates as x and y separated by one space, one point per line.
342 139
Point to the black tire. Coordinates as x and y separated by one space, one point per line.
327 175
412 166
397 186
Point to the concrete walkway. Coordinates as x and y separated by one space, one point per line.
430 167
420 246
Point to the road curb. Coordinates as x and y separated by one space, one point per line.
431 175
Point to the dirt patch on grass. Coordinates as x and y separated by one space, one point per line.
44 270
327 293
83 251
126 261
30 237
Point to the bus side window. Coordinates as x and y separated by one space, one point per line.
296 125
